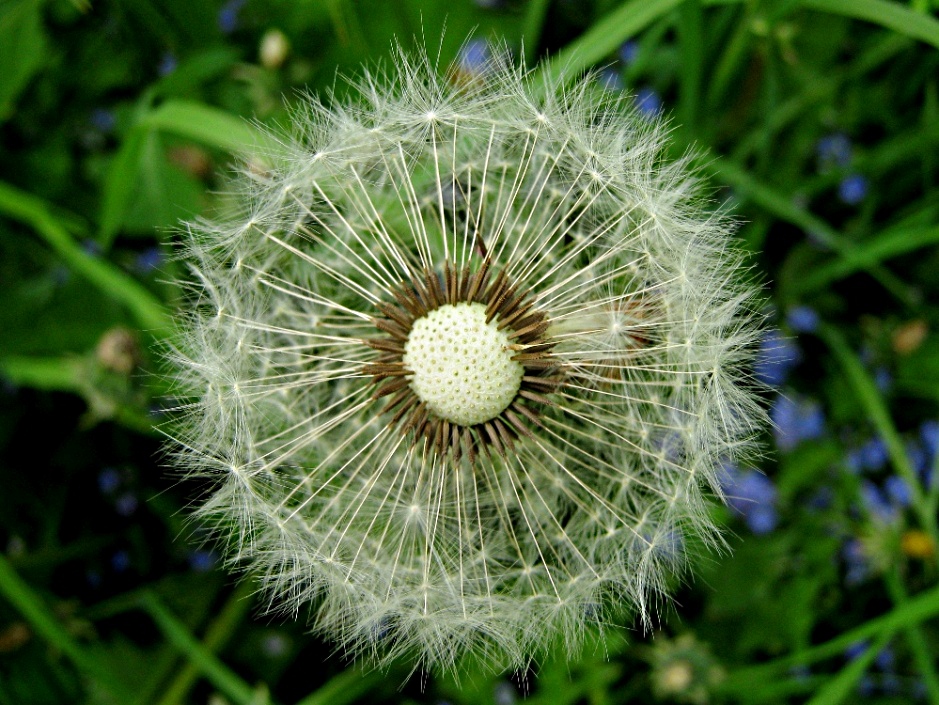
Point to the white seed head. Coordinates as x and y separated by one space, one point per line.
463 362
462 366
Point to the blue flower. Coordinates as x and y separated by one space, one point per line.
898 490
883 379
628 51
929 434
611 79
802 319
872 455
126 504
120 561
202 560
852 189
148 260
885 659
92 248
648 102
855 650
878 504
776 358
167 64
228 16
103 120
109 480
856 562
833 150
796 420
475 57
753 496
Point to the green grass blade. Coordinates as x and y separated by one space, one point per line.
531 28
217 673
219 632
839 687
892 243
26 208
873 403
59 374
345 687
914 611
45 624
691 38
604 37
890 15
783 207
919 646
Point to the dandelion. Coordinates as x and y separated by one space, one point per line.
463 365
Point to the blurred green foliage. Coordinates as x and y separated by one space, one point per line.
818 122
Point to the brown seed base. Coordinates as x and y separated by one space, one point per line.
513 310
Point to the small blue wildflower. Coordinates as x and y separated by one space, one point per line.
103 120
109 480
475 57
929 433
648 102
275 645
93 578
753 496
228 16
833 150
916 455
883 379
866 686
611 79
821 499
202 560
120 561
889 684
874 454
795 421
126 504
149 260
504 694
802 319
852 189
168 64
898 491
628 51
856 562
877 503
855 650
885 659
776 358
92 248
853 461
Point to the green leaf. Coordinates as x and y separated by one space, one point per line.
209 126
605 37
163 194
891 15
22 49
865 255
119 286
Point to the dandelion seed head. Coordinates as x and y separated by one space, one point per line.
463 363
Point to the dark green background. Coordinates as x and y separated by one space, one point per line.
120 119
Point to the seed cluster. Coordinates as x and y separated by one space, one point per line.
513 311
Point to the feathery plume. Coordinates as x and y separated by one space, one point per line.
465 364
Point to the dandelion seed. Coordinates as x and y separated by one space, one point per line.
464 364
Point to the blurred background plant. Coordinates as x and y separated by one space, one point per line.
820 124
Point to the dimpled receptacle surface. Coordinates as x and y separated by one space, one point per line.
461 366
